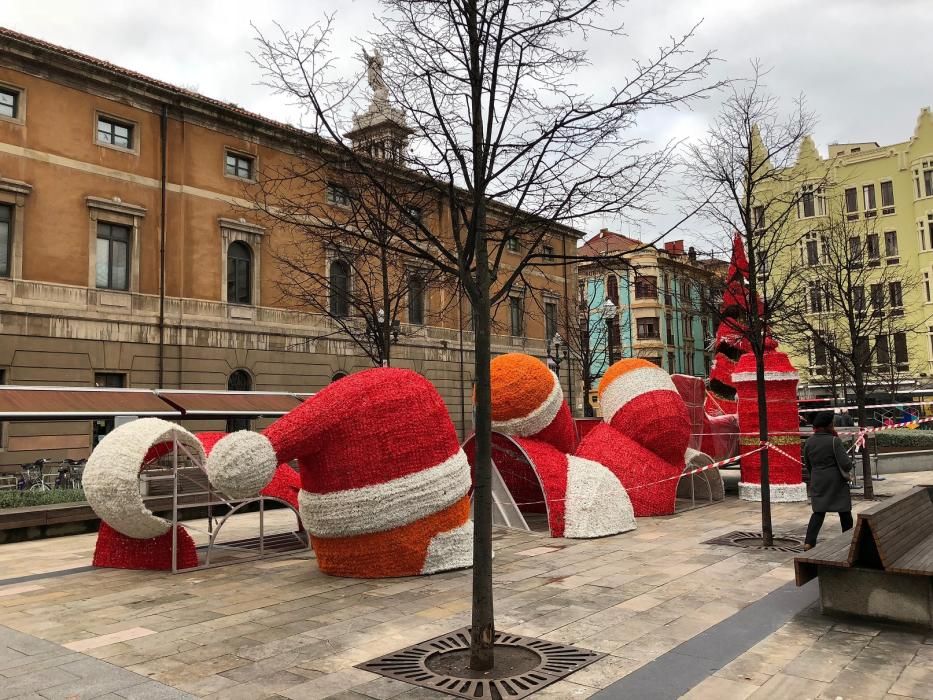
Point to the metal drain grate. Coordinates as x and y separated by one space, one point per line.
524 665
783 542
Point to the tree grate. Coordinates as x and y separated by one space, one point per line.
783 542
524 665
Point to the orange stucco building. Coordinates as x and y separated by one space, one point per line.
96 290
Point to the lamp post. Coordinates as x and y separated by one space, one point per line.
609 315
554 361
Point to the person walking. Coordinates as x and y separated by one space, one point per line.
828 467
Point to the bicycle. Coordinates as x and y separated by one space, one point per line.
70 472
31 478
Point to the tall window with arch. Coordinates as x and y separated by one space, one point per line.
612 288
416 299
239 273
239 380
339 276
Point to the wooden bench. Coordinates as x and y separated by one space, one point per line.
884 566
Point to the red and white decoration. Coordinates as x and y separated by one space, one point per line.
784 472
131 535
384 483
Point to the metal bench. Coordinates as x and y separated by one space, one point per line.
882 568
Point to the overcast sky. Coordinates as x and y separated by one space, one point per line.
863 65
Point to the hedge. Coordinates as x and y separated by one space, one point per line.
903 438
23 499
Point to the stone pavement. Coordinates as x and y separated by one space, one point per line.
280 629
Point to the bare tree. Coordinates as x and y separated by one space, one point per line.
515 150
847 309
747 168
362 284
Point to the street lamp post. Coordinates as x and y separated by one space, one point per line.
609 315
554 361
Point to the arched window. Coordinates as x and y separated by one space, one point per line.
612 288
338 376
339 288
239 380
239 273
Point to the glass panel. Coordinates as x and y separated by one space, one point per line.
890 243
119 268
8 102
900 349
103 263
851 200
887 194
243 282
4 241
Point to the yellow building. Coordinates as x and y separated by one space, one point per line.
886 192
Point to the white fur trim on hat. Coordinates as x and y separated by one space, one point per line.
111 477
631 385
538 419
386 506
780 493
450 550
242 464
597 504
769 376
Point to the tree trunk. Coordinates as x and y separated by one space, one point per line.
767 534
386 326
482 631
860 402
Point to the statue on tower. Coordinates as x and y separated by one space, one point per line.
374 77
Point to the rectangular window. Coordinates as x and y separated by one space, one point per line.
668 297
851 202
855 251
516 316
758 218
114 133
900 352
689 359
646 287
882 352
926 287
670 363
890 246
113 256
237 165
928 182
550 320
688 327
896 298
512 244
819 352
416 293
648 328
858 298
338 195
887 197
816 298
873 246
548 252
868 197
704 329
9 103
806 208
813 252
6 235
877 299
669 322
929 245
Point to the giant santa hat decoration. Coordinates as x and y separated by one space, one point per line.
384 483
581 497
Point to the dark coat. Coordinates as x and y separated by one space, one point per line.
823 457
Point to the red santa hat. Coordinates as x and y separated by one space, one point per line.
384 483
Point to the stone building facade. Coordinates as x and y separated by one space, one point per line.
125 218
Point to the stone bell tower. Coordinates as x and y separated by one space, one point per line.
380 131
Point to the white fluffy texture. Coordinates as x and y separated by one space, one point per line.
450 550
537 420
111 477
241 464
597 504
631 385
706 484
386 506
780 493
769 376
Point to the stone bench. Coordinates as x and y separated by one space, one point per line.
883 568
